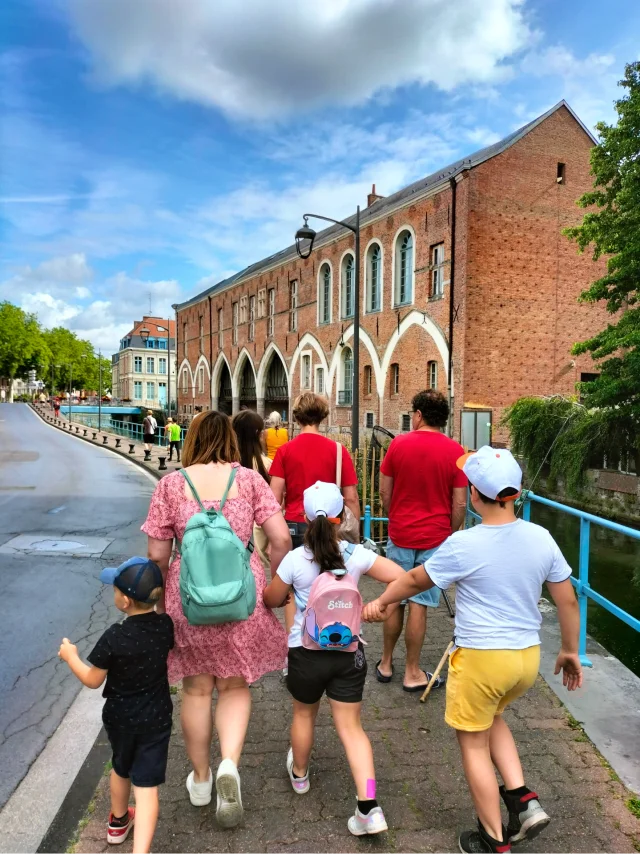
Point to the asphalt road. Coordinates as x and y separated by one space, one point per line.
62 492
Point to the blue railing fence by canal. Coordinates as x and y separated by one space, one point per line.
584 590
121 428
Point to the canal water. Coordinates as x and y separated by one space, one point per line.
613 560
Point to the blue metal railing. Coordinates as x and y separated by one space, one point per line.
122 428
584 590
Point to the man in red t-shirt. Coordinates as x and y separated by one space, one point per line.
424 495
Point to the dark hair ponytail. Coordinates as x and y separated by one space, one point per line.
321 538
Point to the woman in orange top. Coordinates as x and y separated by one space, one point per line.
275 434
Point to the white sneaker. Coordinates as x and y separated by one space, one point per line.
200 793
367 825
229 810
300 784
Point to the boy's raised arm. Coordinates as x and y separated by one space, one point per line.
92 677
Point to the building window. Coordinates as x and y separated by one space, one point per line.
319 380
185 382
272 312
324 296
561 173
184 339
201 379
348 286
404 269
234 339
369 420
151 367
262 303
437 270
345 394
374 278
406 423
201 335
475 429
367 379
220 327
162 366
151 391
395 378
252 318
137 390
293 306
433 374
306 371
162 394
243 309
137 364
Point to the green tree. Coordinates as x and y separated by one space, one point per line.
613 230
22 343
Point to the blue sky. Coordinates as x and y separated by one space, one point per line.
148 148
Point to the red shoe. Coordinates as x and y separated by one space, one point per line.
116 833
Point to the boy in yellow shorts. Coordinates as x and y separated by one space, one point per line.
499 568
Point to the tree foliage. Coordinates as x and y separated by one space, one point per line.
613 230
21 342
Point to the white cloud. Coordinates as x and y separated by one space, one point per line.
260 59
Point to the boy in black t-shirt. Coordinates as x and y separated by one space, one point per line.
137 715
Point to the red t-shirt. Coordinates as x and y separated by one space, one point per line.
424 471
304 460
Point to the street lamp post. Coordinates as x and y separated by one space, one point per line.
163 329
99 390
305 237
70 366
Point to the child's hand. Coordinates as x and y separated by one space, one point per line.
374 612
67 649
569 663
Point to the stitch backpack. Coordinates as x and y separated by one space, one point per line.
216 581
334 610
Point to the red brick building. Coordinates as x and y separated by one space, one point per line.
465 271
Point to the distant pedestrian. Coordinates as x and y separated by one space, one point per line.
137 715
326 654
56 408
229 656
248 427
275 435
499 568
149 427
173 434
424 495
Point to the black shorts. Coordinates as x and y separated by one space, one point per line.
141 756
313 672
148 438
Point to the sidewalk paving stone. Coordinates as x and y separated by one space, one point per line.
421 786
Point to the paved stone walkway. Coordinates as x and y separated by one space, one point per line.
420 781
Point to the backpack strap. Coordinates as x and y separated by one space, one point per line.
350 549
193 489
232 477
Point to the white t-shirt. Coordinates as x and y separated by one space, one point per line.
499 571
299 569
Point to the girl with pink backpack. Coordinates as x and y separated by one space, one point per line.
326 654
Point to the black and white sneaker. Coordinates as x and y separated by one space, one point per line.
526 816
478 842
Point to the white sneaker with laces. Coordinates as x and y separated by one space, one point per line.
300 784
200 793
367 825
229 810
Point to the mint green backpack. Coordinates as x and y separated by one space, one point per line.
216 581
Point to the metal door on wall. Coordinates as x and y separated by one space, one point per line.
476 428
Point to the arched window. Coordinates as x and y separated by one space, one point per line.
345 392
324 294
348 286
404 269
433 374
374 278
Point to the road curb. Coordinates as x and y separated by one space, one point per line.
130 457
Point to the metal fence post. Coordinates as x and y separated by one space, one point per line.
367 522
582 588
526 509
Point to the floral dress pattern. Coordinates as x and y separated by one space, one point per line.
249 648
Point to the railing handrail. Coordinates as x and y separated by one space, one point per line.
584 590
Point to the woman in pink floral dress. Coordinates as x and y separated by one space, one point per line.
230 656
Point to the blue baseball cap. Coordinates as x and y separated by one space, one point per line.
136 578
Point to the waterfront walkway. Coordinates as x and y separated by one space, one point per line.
420 781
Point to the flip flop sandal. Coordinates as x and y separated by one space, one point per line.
415 688
380 676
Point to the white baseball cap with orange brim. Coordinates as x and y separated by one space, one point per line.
492 471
